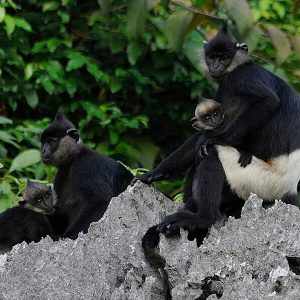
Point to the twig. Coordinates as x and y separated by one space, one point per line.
197 11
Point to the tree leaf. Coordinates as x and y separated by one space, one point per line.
134 51
240 12
136 17
31 97
115 85
22 23
76 61
252 37
296 43
8 138
176 28
4 120
280 42
105 5
9 24
2 14
28 71
25 159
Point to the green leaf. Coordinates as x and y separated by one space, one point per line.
54 69
25 159
31 98
134 51
176 28
9 24
5 188
240 12
77 60
4 120
48 85
113 137
191 47
296 44
280 41
105 5
136 17
252 37
51 5
2 14
8 138
28 71
22 23
94 70
115 85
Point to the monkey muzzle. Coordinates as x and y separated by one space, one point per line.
195 123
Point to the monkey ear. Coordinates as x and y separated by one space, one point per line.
200 99
73 133
59 116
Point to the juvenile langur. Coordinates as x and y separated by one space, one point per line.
264 114
28 222
85 181
210 118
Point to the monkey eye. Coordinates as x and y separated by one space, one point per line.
39 199
207 118
47 195
215 114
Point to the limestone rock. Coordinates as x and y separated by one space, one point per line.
248 255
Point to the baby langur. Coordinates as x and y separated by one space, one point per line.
28 222
210 117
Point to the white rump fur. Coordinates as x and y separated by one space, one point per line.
268 181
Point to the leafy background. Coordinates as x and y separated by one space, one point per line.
125 72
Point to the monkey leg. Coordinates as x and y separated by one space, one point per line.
207 189
291 199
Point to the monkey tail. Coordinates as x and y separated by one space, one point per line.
149 241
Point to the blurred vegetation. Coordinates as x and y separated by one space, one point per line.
125 73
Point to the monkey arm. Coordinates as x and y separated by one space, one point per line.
261 103
176 163
93 204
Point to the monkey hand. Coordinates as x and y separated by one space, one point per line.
183 219
245 158
203 152
149 177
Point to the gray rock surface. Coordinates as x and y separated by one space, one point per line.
248 255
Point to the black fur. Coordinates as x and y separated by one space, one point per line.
264 114
85 182
19 224
22 223
149 242
211 119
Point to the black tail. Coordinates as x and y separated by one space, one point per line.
149 241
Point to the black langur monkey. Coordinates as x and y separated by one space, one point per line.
28 222
210 118
85 181
264 114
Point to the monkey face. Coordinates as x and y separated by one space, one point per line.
60 142
210 121
209 115
39 198
217 63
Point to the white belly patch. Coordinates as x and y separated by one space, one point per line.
268 180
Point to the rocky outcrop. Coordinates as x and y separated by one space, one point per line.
244 259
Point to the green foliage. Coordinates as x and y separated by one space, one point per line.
126 72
